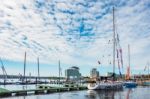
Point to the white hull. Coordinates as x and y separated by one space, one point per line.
105 86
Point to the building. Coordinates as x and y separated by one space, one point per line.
94 73
117 76
72 73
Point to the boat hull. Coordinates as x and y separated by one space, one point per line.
130 84
105 86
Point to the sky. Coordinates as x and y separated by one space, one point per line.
76 32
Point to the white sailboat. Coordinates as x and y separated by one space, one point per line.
147 82
108 85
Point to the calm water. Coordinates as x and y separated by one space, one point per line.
137 93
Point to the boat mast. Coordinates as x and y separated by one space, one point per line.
114 43
24 66
129 60
59 70
148 68
38 68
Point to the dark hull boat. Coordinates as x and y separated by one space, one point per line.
130 84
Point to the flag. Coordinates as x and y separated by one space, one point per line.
145 68
117 54
118 64
118 38
120 74
121 57
108 41
99 62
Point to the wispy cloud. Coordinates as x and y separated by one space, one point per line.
74 31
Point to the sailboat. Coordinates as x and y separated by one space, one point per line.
23 80
108 85
129 83
38 80
147 82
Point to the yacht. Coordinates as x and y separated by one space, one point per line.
108 85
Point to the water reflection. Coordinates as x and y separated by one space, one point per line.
59 96
128 93
137 93
92 94
122 94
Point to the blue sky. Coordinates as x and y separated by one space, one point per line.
76 32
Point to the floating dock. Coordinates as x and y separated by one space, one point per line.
42 89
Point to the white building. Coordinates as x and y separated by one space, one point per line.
94 73
72 73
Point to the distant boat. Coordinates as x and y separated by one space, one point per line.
147 83
108 85
129 83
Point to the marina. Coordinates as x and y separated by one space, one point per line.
74 49
135 93
44 89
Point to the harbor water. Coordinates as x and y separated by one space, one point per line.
136 93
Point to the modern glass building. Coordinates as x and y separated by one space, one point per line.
72 73
94 73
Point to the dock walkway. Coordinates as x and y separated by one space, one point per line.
41 90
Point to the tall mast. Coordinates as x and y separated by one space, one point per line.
38 68
114 43
129 60
59 70
24 66
148 68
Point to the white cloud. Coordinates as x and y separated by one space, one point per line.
56 35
